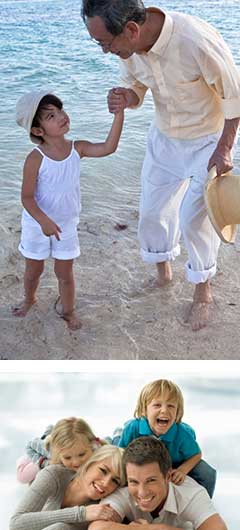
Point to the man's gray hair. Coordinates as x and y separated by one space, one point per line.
114 13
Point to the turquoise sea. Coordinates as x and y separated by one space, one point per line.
45 43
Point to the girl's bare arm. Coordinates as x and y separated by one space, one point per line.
30 172
90 149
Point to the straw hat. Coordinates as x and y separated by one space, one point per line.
222 200
26 109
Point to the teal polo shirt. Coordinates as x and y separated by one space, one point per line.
180 439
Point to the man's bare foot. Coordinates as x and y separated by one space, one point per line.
198 316
22 309
164 273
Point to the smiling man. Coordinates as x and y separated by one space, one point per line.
196 93
151 499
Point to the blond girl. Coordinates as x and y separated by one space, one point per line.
70 443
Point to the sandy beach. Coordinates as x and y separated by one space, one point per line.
123 315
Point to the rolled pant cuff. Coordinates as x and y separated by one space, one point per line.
159 257
199 276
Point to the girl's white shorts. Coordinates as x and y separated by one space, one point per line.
35 245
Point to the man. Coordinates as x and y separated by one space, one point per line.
196 92
151 499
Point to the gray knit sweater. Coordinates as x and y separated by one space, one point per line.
41 506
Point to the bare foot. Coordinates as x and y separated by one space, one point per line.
22 309
164 273
198 316
72 320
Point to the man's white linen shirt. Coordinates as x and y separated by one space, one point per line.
187 506
190 70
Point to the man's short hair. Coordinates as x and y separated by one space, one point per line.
114 13
147 450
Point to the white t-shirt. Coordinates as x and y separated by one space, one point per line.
187 506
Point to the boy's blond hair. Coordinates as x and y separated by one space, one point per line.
64 435
155 390
107 451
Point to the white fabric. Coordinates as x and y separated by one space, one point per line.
26 109
173 176
187 506
192 76
35 245
58 195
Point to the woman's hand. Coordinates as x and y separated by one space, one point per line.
104 512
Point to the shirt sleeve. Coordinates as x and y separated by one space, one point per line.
130 432
219 72
35 449
199 509
188 446
129 81
30 513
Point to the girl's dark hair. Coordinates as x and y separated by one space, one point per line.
114 13
49 99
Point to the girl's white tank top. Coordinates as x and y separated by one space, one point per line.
57 191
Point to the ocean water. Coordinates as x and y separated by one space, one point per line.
45 43
31 401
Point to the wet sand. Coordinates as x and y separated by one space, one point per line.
123 315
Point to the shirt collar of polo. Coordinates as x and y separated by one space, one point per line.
165 35
145 429
170 434
170 504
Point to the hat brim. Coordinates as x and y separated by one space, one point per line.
227 233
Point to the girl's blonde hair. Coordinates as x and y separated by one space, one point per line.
107 451
65 434
155 390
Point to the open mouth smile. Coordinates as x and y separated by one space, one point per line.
144 502
99 490
161 421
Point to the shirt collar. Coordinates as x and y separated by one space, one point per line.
145 429
170 434
165 35
170 504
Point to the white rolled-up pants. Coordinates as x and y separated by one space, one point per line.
173 176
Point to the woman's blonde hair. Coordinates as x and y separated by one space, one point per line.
107 451
64 435
155 390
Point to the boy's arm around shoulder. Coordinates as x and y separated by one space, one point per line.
89 149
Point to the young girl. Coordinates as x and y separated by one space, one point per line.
51 195
159 413
70 443
61 499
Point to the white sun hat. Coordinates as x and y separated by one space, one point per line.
26 109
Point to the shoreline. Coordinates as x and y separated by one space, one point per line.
123 316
